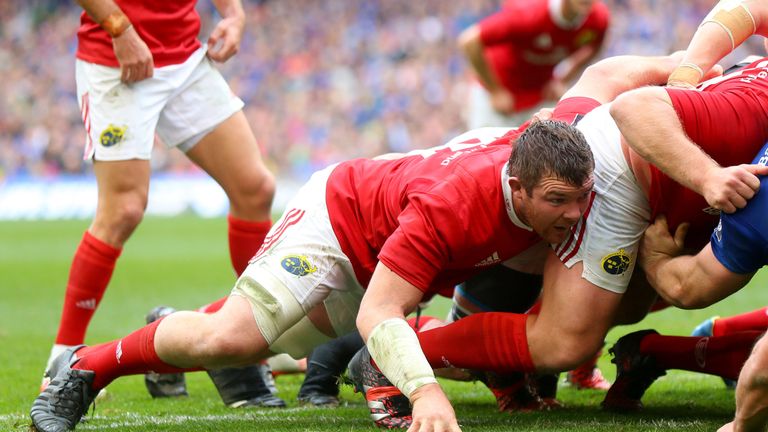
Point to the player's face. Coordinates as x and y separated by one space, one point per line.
580 7
554 206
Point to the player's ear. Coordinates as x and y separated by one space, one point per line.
516 186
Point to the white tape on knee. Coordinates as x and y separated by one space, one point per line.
395 349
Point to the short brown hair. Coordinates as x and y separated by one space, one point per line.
550 148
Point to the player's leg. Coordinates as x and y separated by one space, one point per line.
230 154
205 120
122 197
643 356
120 132
324 367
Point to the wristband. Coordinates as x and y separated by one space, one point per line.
115 24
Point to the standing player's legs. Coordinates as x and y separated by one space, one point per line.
120 124
122 197
231 155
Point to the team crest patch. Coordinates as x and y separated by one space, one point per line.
297 265
616 263
112 135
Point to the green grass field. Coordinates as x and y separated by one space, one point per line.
184 262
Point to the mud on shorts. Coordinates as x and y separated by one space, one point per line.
299 267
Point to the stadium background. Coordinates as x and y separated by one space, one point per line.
339 79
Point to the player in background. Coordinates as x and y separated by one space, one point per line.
526 54
141 71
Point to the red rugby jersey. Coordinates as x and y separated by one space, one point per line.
168 27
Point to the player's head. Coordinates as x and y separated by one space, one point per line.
550 172
578 7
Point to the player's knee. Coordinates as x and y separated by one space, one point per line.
567 352
219 342
254 193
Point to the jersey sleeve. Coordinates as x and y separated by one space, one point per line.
570 110
737 245
506 26
423 242
737 117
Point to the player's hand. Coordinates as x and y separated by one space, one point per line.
543 114
431 411
502 101
658 244
134 57
728 189
224 41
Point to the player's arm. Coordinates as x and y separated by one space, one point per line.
395 348
752 392
471 44
610 77
224 41
132 53
685 281
651 126
728 25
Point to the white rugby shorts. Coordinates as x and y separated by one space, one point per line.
480 113
180 102
608 241
300 266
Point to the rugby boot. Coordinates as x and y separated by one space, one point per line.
635 372
514 392
390 409
67 397
588 376
244 387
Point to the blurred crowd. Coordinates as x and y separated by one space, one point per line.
322 80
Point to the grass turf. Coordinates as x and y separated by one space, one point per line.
184 262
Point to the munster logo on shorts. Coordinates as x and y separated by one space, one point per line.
112 135
616 263
297 265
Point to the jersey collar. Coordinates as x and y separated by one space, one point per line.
508 199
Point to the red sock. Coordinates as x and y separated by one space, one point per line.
89 276
755 320
491 341
722 355
245 238
133 354
213 307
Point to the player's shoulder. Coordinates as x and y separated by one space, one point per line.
600 10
